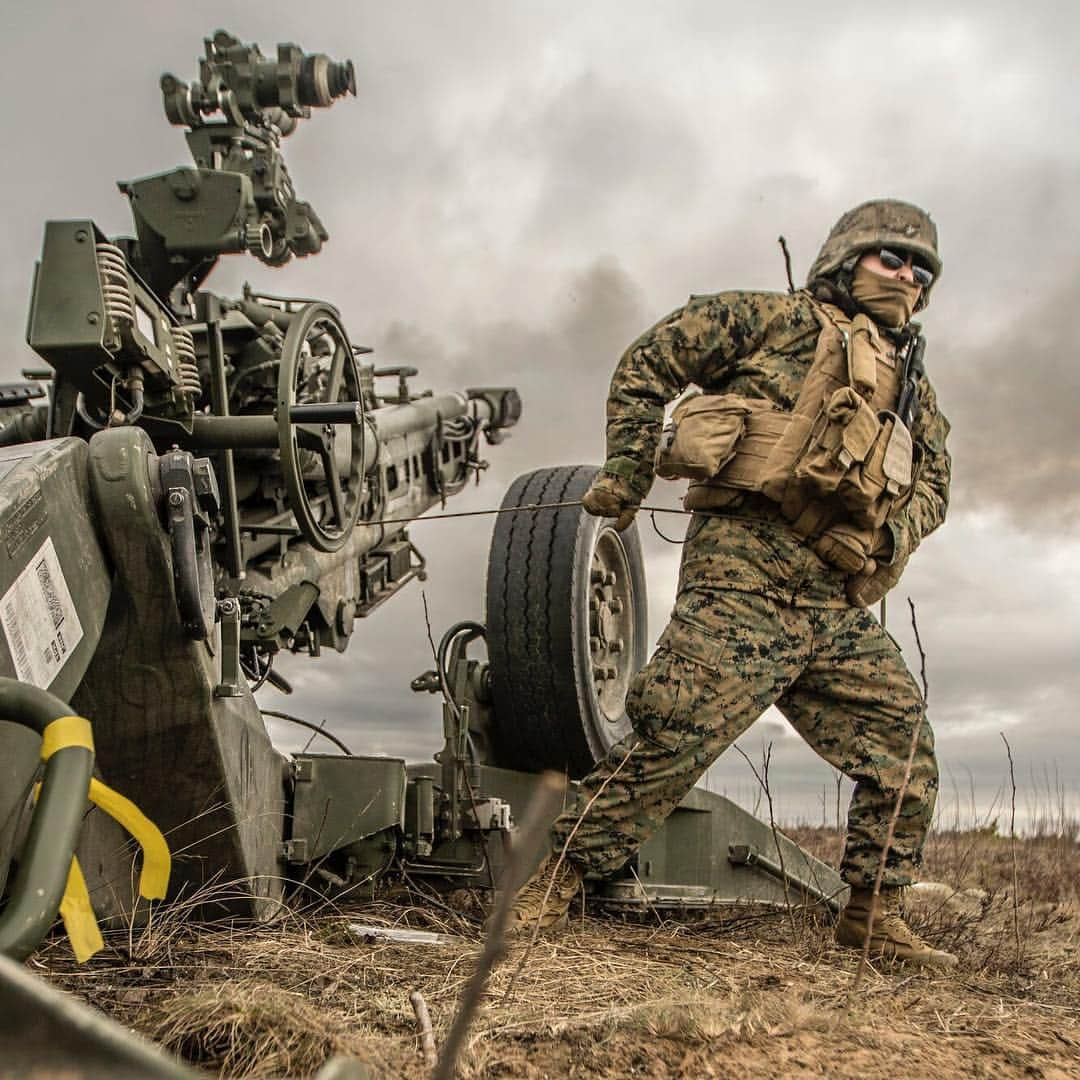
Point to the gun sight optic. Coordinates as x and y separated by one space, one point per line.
249 88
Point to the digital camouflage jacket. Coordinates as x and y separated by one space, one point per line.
757 345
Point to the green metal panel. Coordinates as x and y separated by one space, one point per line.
200 766
689 861
55 580
67 310
194 210
339 800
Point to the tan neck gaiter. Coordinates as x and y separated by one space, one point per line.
889 301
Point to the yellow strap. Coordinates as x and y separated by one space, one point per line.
157 863
66 731
154 880
75 907
78 915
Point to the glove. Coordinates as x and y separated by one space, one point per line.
847 548
611 496
877 578
853 549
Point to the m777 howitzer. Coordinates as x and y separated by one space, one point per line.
211 481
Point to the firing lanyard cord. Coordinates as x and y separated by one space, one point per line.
528 508
670 539
536 507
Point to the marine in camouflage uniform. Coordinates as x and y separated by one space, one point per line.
761 617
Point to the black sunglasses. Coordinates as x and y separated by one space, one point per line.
892 261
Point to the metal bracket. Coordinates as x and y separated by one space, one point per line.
295 851
493 814
192 500
232 677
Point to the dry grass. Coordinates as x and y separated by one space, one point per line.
252 1027
741 992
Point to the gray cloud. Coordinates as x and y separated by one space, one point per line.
1013 401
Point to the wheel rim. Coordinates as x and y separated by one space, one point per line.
611 624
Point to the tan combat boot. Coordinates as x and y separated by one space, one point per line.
529 905
890 938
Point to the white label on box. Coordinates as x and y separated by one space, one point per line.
40 621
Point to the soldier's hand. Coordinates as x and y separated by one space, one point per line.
878 576
611 496
846 547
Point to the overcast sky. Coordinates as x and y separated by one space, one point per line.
520 189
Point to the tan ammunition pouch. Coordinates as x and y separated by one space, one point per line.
838 465
701 437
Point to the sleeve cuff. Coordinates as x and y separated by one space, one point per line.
899 543
629 471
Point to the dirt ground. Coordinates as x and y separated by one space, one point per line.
747 992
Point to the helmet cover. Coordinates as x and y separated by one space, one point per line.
879 223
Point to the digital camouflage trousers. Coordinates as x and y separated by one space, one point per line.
725 657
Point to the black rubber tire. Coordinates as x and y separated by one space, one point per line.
549 712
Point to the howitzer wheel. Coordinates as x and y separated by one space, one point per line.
323 464
566 625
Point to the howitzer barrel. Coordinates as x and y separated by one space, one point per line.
419 415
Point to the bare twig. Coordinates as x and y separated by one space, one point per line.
922 654
522 857
423 1022
864 959
763 781
427 625
839 828
787 263
644 895
1012 846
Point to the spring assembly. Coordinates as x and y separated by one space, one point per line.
184 344
115 286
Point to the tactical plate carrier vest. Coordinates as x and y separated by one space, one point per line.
838 465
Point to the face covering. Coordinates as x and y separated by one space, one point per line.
889 301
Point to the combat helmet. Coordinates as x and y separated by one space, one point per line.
876 224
